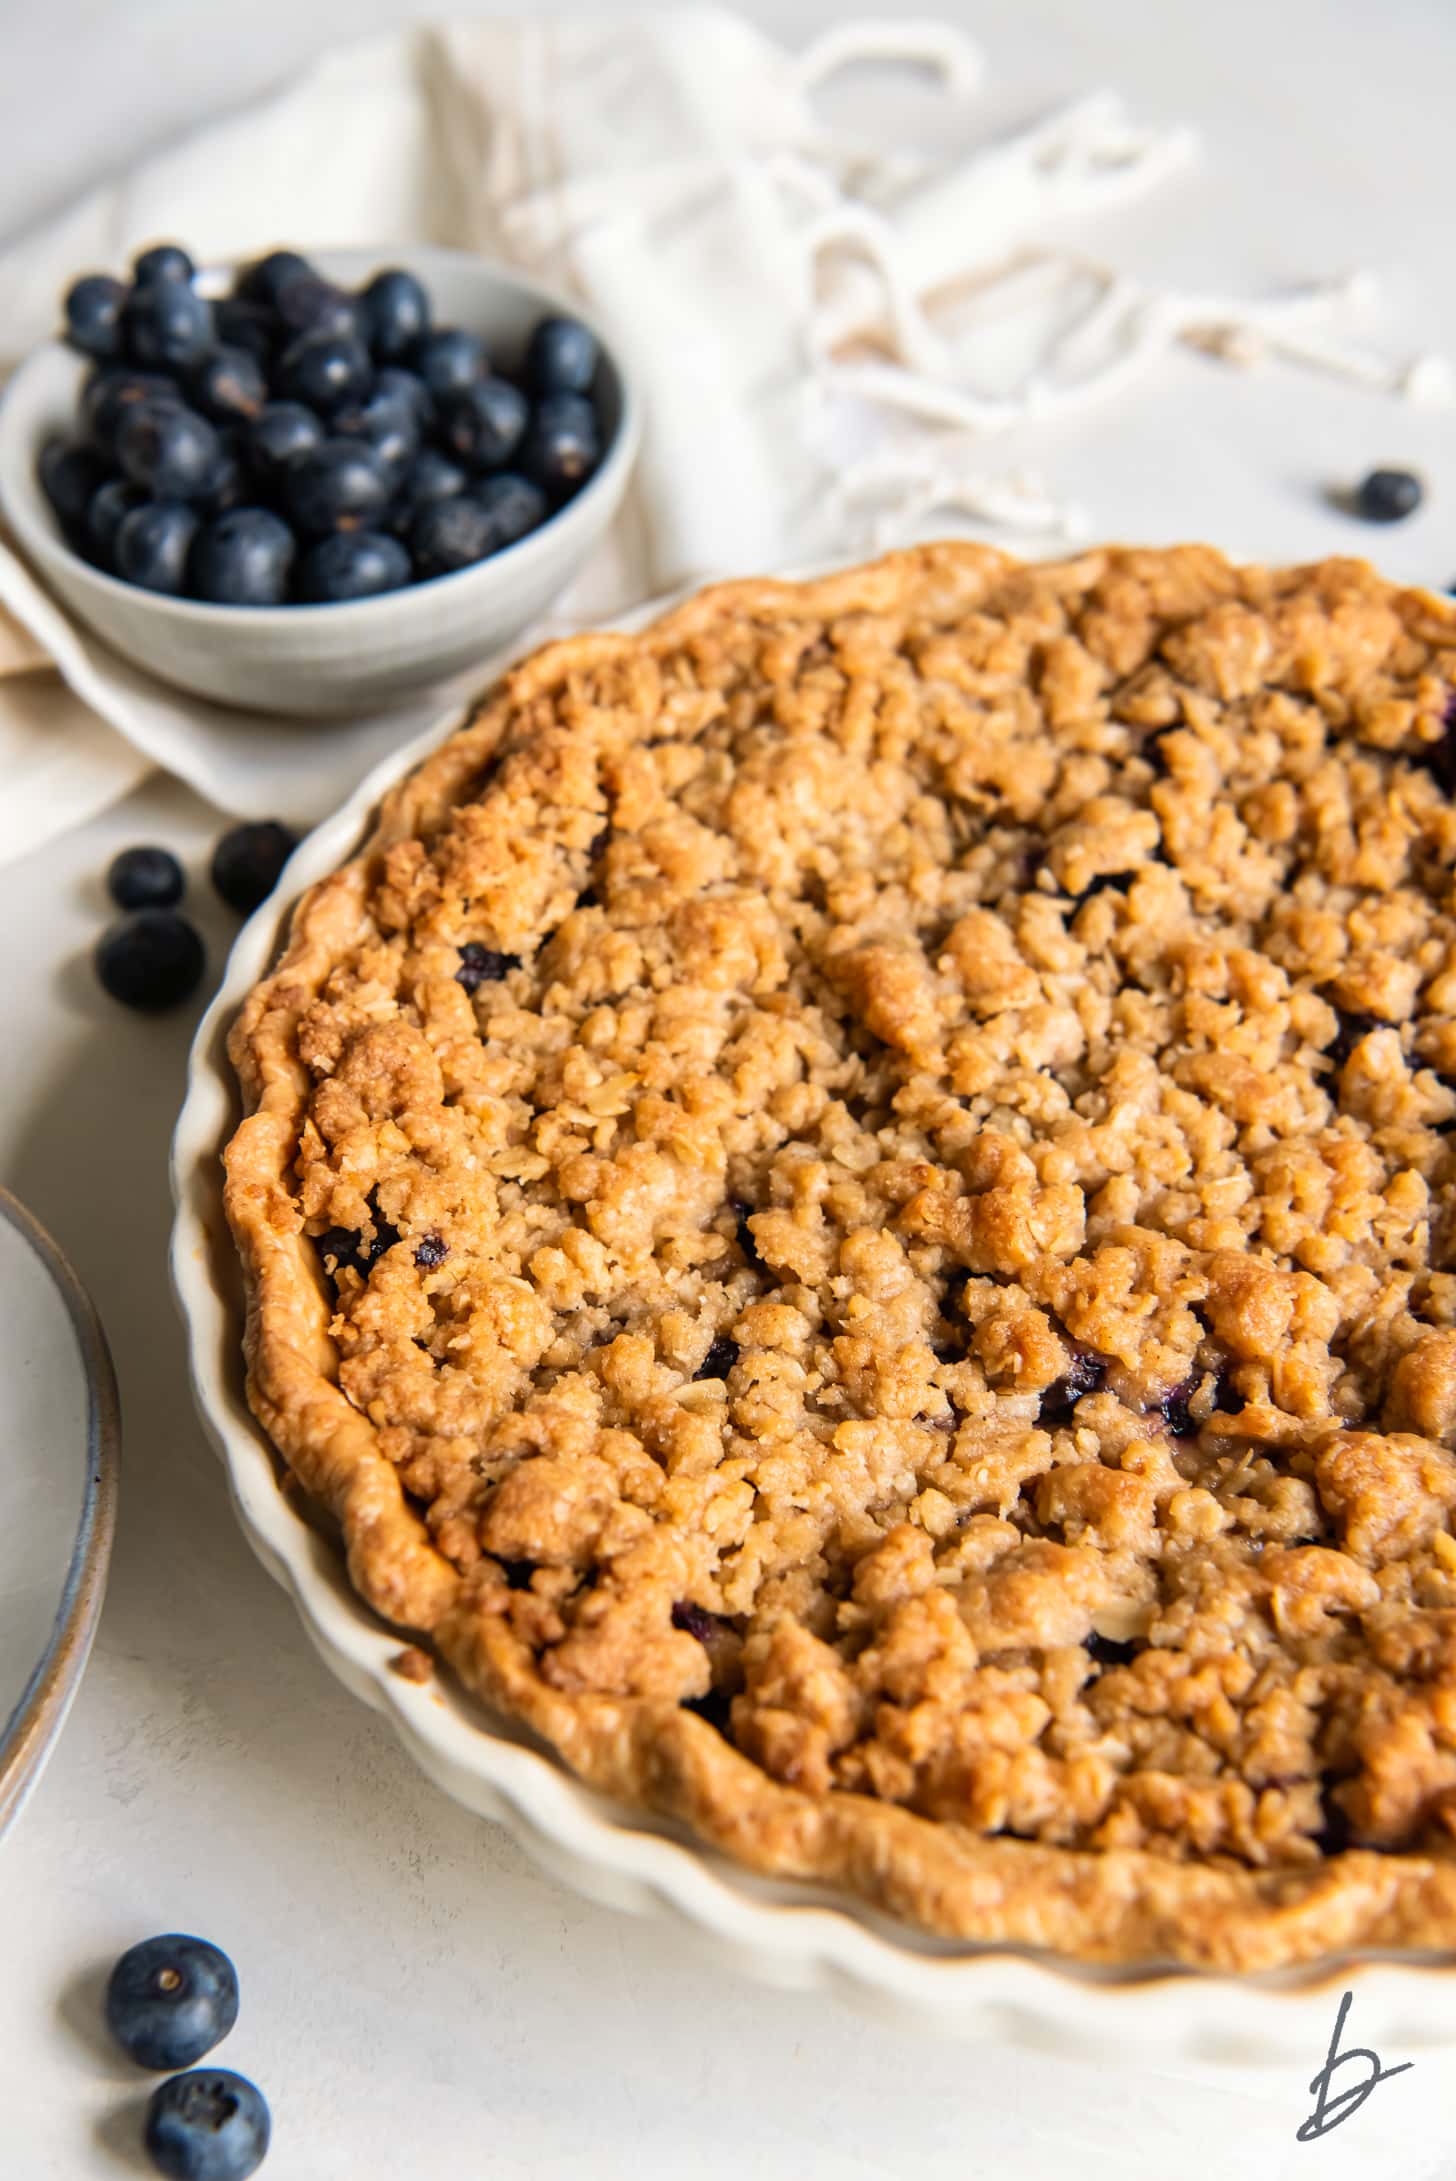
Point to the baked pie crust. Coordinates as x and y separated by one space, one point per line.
851 1204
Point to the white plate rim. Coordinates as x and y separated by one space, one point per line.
30 1734
795 1936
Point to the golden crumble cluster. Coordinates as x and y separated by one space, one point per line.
850 1202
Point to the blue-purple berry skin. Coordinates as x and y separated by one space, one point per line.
171 1999
207 2125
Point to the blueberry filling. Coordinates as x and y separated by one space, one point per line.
518 1573
1175 1411
1107 1651
1336 1833
743 1233
719 1360
693 1621
716 1708
1352 1027
431 1251
483 965
1084 1375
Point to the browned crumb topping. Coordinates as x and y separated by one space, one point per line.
886 1176
412 1664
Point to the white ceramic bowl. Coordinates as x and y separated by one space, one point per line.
809 1937
322 660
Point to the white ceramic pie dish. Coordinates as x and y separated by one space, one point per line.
797 1935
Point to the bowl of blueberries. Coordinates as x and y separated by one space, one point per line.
309 485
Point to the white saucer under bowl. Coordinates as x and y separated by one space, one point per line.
59 1445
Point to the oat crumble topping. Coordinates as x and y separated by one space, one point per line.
853 1203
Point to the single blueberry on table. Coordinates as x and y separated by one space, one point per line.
563 445
164 261
279 433
1388 496
171 451
70 477
485 423
561 357
171 1999
93 315
149 960
450 360
325 370
243 558
247 860
352 564
229 383
207 2125
396 313
514 505
339 485
109 394
145 878
153 543
104 517
450 534
166 327
260 282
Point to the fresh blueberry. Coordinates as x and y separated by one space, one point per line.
229 383
246 863
152 544
325 370
450 534
352 564
563 445
340 485
207 2125
93 315
70 477
241 324
484 424
104 517
109 394
173 452
146 878
227 481
171 1999
450 360
261 282
394 383
164 261
431 476
150 960
561 357
278 434
308 305
386 423
243 558
1388 496
167 327
515 506
396 313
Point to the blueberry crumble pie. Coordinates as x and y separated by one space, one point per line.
852 1204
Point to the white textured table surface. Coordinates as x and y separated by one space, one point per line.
417 2000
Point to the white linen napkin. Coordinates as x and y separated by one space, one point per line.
828 335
